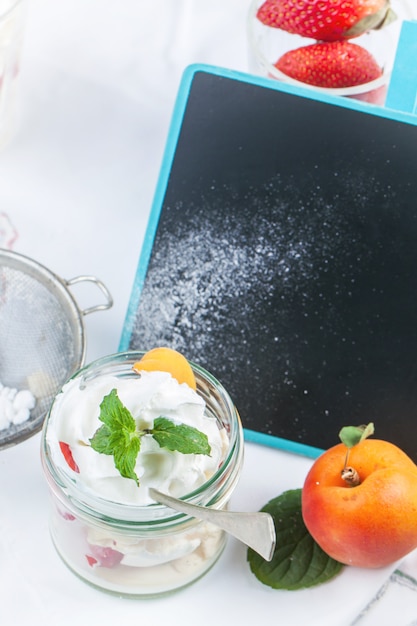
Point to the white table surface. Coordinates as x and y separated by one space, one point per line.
99 79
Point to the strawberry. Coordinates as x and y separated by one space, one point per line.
326 20
330 64
66 451
103 557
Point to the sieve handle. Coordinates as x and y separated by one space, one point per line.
100 285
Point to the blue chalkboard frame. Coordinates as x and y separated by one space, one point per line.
400 105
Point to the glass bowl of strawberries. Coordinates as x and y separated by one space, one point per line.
343 47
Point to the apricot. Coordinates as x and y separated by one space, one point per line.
164 359
373 523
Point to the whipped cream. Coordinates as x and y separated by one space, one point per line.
75 419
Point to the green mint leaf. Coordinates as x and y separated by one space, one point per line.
179 437
118 436
100 442
125 459
352 435
298 561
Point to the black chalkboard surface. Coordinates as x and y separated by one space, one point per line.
281 254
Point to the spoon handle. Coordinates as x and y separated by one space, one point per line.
255 530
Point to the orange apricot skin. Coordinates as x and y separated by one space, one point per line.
167 360
373 524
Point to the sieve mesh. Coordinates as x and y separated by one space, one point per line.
41 337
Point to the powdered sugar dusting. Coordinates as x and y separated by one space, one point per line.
283 293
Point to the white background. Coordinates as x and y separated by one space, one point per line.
98 83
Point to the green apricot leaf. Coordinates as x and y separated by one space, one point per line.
298 561
352 435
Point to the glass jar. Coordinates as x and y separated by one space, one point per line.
145 550
267 44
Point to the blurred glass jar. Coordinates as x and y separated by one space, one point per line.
12 25
267 44
141 551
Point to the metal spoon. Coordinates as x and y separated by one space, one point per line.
255 530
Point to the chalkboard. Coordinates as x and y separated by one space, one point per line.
281 255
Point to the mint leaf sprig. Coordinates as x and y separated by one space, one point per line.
120 437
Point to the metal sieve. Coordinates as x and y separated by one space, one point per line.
42 336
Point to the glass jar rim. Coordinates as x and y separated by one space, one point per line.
87 503
274 73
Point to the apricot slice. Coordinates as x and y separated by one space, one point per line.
167 360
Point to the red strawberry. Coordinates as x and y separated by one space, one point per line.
91 560
330 64
103 557
66 451
326 20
